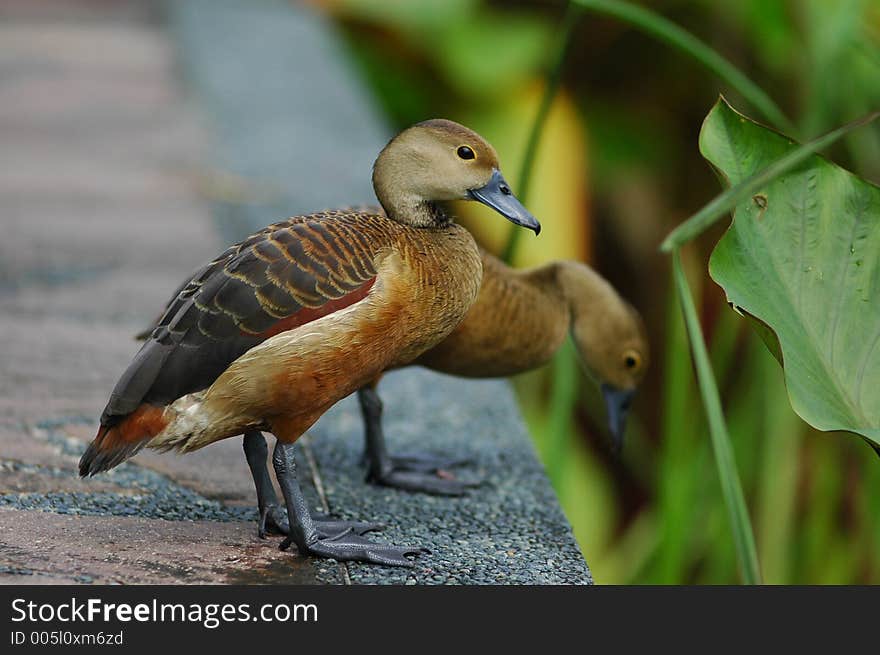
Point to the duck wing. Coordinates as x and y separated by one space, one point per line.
284 276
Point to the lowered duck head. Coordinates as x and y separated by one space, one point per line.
610 338
436 161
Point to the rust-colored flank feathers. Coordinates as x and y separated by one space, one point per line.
309 314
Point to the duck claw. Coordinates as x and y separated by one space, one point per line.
351 547
273 520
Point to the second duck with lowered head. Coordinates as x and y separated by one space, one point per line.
519 321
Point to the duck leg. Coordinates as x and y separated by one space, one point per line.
413 472
347 545
272 517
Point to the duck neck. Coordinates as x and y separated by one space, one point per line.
533 302
585 292
553 303
418 213
601 321
402 206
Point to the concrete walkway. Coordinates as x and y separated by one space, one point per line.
106 203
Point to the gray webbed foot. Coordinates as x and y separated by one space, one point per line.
428 463
306 532
432 482
349 546
416 472
332 528
273 521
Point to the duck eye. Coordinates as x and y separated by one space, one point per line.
631 360
466 153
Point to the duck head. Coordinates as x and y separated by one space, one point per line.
436 161
610 338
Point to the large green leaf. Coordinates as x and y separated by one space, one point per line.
802 256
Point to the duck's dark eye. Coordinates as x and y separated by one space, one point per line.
465 152
631 360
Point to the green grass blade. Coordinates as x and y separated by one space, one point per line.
678 475
724 202
563 400
776 506
671 34
744 539
554 78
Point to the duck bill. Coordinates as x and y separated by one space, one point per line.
617 404
497 195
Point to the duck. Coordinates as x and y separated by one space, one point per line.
518 322
279 327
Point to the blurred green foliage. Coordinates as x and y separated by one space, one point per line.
657 515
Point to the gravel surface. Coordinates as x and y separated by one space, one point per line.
148 494
509 531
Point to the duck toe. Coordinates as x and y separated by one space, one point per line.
273 521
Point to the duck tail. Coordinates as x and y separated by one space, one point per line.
116 442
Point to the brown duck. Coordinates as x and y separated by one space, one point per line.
282 325
544 304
